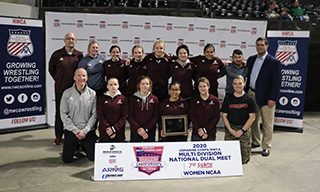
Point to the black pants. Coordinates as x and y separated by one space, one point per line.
71 143
58 124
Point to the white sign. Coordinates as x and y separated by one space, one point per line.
132 161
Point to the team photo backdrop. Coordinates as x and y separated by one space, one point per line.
128 30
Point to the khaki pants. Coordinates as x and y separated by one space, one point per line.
267 119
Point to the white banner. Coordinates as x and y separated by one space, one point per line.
131 161
128 30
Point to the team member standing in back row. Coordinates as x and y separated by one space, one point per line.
237 67
62 65
136 68
158 69
93 64
263 84
183 71
116 67
209 66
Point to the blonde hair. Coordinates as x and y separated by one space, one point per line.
137 46
204 80
159 41
240 77
91 43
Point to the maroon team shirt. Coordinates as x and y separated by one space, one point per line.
134 70
205 114
62 67
112 112
143 114
179 107
158 70
183 75
118 70
209 69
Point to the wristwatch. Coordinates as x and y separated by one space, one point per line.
243 131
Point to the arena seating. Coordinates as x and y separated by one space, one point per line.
242 9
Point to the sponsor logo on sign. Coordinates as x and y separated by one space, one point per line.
148 158
169 26
147 25
287 52
191 27
56 23
233 29
114 40
223 44
254 31
112 150
103 54
201 43
243 45
125 25
212 28
79 23
136 40
92 38
125 55
19 43
180 42
102 24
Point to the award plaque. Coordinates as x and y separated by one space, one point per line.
175 125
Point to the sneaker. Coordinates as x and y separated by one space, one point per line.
57 141
265 152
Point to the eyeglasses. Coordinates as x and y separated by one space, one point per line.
70 38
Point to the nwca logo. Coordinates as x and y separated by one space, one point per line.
287 52
19 43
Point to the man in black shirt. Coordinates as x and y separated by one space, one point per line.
238 113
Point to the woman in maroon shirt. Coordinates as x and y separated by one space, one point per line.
143 112
205 113
112 113
136 68
183 71
209 66
174 105
158 69
116 67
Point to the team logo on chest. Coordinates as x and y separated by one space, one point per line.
287 52
19 43
119 102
